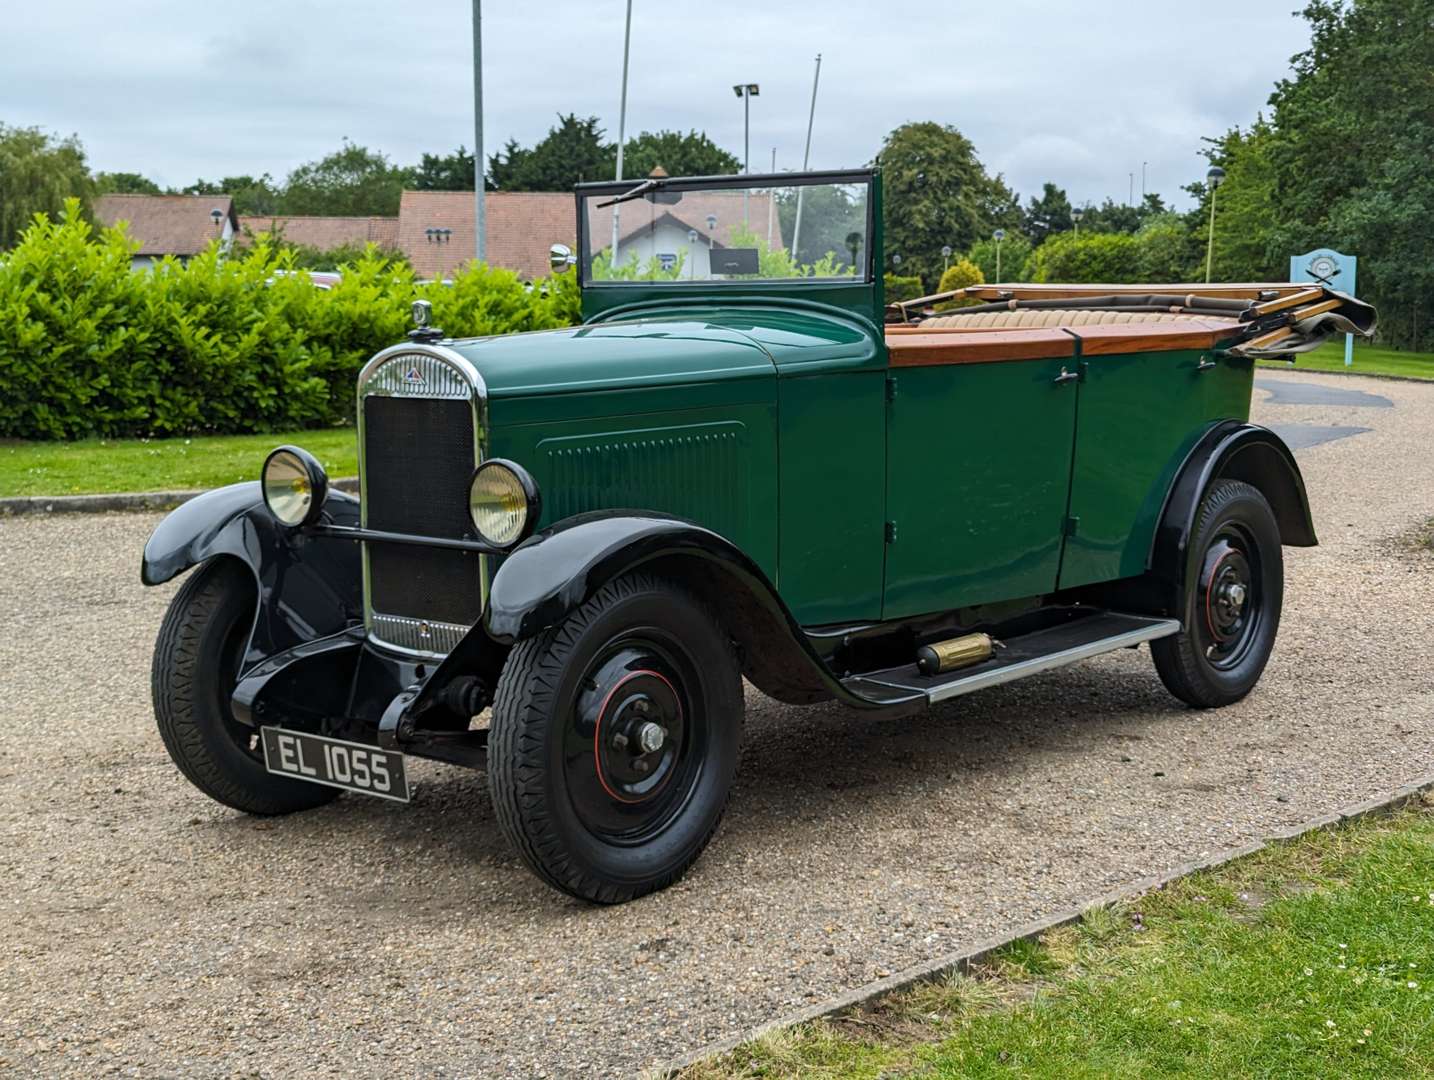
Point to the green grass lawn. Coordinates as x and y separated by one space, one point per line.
1368 360
109 465
1310 959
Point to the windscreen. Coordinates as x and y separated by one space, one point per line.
817 232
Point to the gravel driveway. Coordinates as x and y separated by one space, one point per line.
150 931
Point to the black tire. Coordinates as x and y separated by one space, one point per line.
1220 654
565 741
196 664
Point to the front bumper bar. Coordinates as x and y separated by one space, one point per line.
345 686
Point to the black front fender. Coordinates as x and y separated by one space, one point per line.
309 586
552 574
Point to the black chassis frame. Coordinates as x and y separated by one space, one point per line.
309 666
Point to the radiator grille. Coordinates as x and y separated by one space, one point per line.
418 460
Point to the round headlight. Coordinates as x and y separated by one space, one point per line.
503 502
294 485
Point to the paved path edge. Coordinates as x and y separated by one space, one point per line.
1353 372
125 501
962 961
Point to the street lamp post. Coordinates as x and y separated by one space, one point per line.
945 258
621 124
998 236
480 211
806 162
746 91
1214 178
1076 215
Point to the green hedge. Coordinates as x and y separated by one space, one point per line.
903 288
219 344
1087 258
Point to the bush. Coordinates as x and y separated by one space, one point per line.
1089 258
959 275
89 347
903 288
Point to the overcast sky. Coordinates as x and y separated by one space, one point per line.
1080 93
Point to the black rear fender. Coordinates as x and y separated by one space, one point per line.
1230 450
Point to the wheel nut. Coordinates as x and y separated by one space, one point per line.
651 737
619 741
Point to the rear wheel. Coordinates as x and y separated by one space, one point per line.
1231 607
614 741
196 667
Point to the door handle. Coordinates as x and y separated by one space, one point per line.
1206 365
1066 376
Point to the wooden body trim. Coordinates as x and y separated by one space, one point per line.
913 347
964 347
1156 337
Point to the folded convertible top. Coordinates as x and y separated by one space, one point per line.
1265 320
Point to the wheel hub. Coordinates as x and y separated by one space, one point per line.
1228 597
628 761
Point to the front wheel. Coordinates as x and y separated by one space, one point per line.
1231 606
196 667
614 741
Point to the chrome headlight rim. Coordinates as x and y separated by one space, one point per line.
301 465
532 503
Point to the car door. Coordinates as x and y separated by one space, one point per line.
1145 400
979 438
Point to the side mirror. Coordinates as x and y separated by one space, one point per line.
560 257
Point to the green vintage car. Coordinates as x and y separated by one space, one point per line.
570 547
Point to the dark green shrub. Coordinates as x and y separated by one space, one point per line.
903 288
1090 258
219 344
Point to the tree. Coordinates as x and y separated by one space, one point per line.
1247 221
693 154
833 220
570 153
1111 217
1049 214
38 172
1353 131
1015 257
937 193
125 183
251 194
575 151
352 180
450 172
1169 251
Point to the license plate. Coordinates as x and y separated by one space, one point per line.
336 763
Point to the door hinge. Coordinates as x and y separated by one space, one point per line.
891 388
1070 526
890 532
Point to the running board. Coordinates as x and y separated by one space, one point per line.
1029 654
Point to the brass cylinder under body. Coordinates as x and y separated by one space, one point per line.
957 653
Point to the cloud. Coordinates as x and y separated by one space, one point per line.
1080 94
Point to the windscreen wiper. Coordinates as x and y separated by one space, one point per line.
651 184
